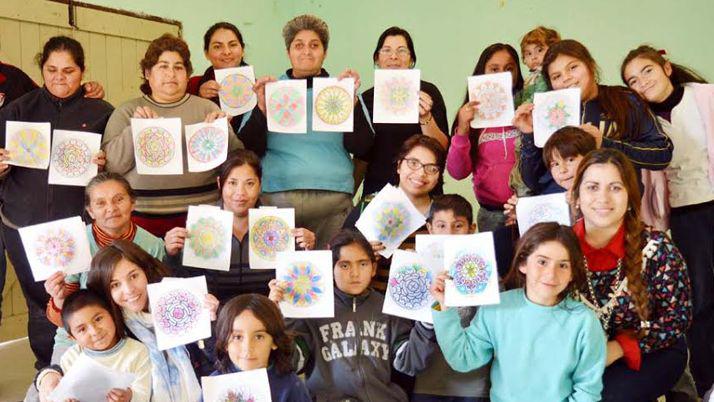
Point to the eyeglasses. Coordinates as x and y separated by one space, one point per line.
414 164
400 52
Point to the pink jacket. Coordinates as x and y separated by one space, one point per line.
492 167
655 197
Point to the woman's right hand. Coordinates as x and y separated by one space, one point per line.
465 116
509 209
209 89
523 120
174 240
4 156
259 89
277 290
48 384
438 287
145 112
54 286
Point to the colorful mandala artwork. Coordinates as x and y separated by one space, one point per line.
207 238
206 144
236 90
391 221
493 100
56 248
268 236
304 284
470 273
398 96
557 115
72 157
333 105
236 395
177 311
286 106
543 213
156 146
28 146
409 287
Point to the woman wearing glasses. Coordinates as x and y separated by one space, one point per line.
419 169
395 50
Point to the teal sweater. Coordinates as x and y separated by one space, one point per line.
539 353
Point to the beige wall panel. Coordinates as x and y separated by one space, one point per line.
29 40
97 58
10 47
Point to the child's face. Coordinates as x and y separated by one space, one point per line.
93 328
445 222
548 273
128 286
533 54
563 169
568 72
250 343
354 270
649 79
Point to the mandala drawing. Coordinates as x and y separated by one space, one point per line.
207 238
493 100
556 115
409 287
55 248
268 236
304 284
286 106
156 146
28 146
236 395
391 221
398 96
470 273
72 158
206 144
236 90
543 213
177 311
333 105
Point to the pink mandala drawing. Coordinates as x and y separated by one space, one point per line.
286 106
493 100
236 90
268 236
72 158
557 115
470 273
236 395
156 146
409 286
304 284
55 248
177 311
206 144
398 96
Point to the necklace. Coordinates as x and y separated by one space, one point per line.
604 312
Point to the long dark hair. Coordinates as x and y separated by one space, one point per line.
268 313
680 74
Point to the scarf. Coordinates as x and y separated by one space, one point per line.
172 375
103 239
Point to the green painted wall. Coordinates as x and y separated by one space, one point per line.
449 34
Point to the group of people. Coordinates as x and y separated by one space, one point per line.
618 307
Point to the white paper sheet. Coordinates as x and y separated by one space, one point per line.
206 145
178 311
431 249
90 381
210 231
396 96
270 232
28 144
471 262
389 218
60 245
408 287
495 96
236 94
333 104
542 208
71 159
309 292
553 110
157 146
245 386
286 106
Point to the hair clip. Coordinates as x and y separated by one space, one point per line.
662 52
